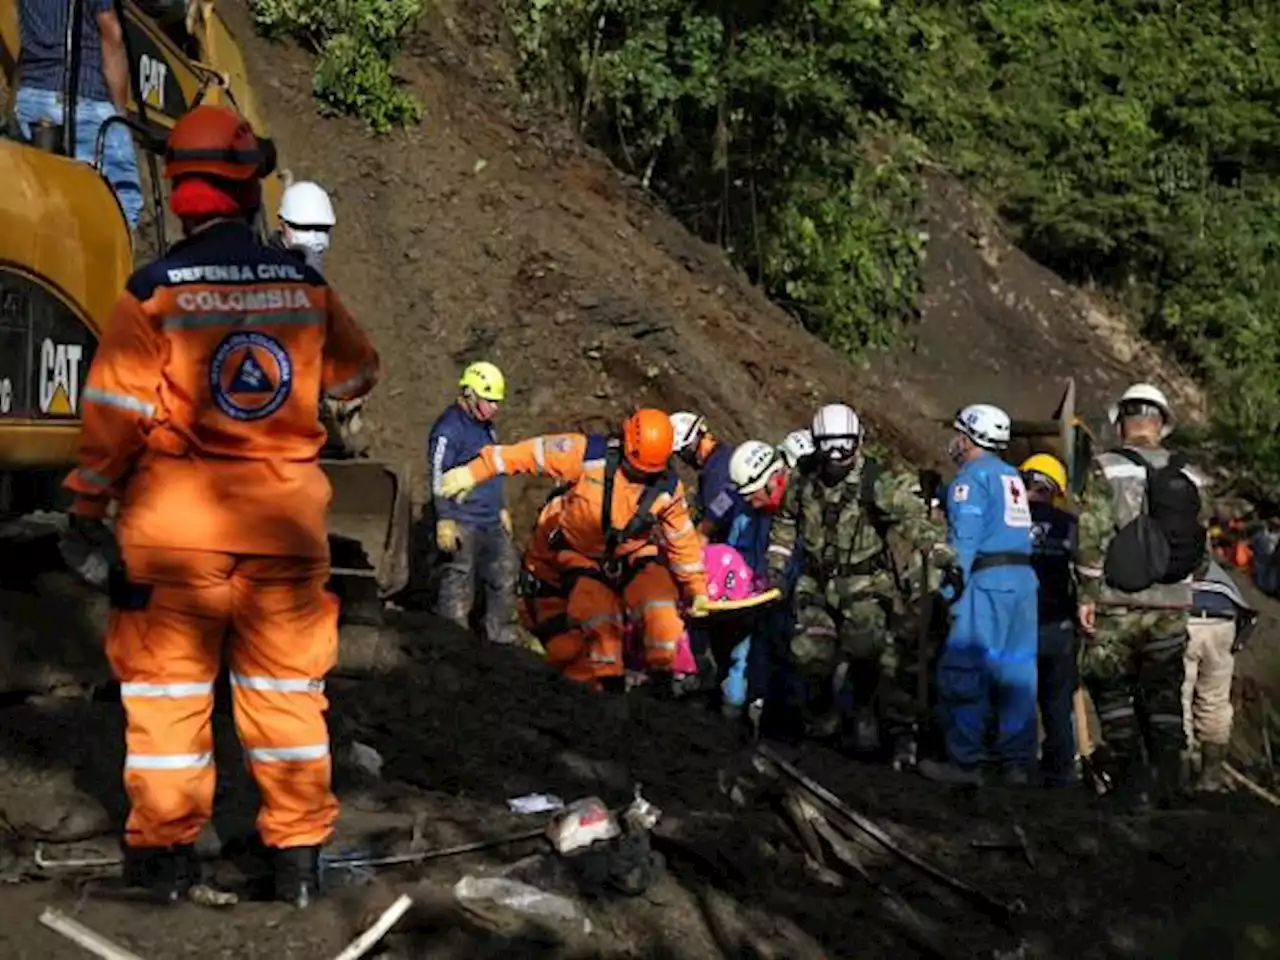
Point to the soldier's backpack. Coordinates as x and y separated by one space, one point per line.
1166 542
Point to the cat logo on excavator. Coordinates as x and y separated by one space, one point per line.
66 253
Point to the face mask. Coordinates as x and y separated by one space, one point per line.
312 244
769 500
955 450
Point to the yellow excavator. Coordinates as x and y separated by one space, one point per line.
66 252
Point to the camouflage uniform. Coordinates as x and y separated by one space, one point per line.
845 591
1133 664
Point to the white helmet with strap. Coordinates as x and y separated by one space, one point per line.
689 428
797 445
986 425
837 432
1141 397
752 465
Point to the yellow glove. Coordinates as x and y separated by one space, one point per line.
700 606
505 517
448 535
457 483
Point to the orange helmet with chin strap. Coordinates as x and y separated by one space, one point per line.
215 141
648 440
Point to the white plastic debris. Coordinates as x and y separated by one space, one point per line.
518 896
366 758
535 803
583 823
642 816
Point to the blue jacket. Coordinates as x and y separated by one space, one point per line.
457 438
988 512
716 501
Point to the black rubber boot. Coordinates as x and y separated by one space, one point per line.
166 873
297 875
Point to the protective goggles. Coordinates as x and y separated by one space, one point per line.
1034 478
837 447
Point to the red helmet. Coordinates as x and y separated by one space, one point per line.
215 141
647 440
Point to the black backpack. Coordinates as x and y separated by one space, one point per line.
1166 542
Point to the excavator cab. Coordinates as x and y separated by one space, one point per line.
1064 434
66 252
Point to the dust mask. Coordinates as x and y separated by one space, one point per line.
312 244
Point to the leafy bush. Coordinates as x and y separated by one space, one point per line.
356 41
755 121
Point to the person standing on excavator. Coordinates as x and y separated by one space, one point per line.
201 425
475 535
623 541
101 89
843 644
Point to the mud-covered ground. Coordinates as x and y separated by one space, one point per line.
462 727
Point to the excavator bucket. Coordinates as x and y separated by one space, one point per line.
1064 435
369 521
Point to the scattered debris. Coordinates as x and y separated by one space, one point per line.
1000 909
583 823
81 935
535 803
84 863
367 759
1249 785
521 897
367 940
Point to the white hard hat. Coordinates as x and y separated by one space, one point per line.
837 431
797 445
751 466
985 425
689 428
1144 394
305 204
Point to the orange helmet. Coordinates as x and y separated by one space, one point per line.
217 142
647 440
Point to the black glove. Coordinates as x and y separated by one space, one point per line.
90 549
1245 624
953 580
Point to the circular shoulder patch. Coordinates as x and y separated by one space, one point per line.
250 375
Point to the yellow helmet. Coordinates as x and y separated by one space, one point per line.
484 380
1048 466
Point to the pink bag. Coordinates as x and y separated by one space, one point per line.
729 577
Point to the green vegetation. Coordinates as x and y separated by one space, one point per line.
1134 143
356 41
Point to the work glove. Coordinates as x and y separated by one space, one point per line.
942 555
505 518
699 606
90 549
457 483
448 535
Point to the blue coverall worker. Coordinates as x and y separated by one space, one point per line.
990 651
474 535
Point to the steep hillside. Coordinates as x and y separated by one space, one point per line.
481 234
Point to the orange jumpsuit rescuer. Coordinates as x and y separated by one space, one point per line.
201 420
623 532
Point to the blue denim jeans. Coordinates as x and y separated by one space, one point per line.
119 162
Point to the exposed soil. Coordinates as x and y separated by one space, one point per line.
482 233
